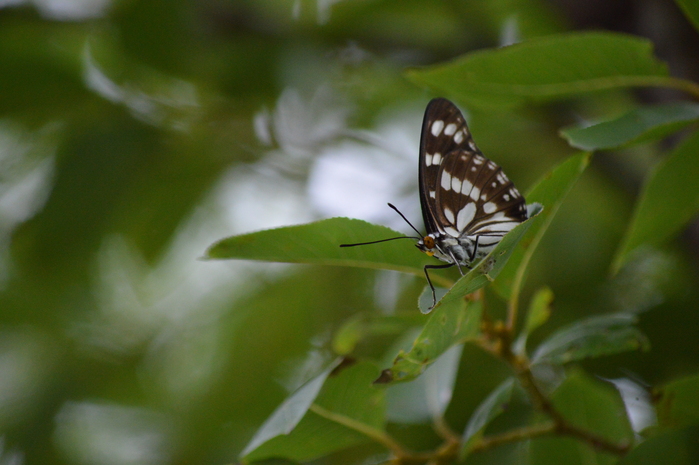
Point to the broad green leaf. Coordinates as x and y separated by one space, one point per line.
319 243
640 125
426 398
674 447
678 402
365 325
550 192
545 68
491 265
538 313
289 413
592 337
669 200
593 406
491 407
691 11
350 396
448 325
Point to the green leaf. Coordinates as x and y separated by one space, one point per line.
545 68
538 314
491 265
678 403
675 447
691 11
640 125
489 409
550 192
319 243
426 398
365 325
593 406
425 301
289 413
592 337
450 324
669 200
348 398
348 336
353 395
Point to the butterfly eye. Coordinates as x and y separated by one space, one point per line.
428 241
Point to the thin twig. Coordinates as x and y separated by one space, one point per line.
374 433
519 434
522 368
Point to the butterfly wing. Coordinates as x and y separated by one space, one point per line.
444 130
462 193
476 198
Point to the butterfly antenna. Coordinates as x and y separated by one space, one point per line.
419 236
406 220
382 240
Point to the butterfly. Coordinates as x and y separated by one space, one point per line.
468 203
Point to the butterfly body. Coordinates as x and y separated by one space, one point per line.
458 251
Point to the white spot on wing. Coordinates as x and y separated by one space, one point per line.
437 127
489 207
456 184
451 231
437 158
465 216
475 193
433 194
478 160
446 181
449 215
499 229
458 137
450 129
506 197
472 145
428 159
466 187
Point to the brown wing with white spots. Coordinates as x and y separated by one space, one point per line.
444 130
463 193
475 198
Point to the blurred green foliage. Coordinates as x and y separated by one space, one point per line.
136 133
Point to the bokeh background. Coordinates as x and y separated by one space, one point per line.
135 133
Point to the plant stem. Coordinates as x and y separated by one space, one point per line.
684 85
374 433
514 435
522 368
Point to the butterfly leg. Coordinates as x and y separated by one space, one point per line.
456 262
475 250
429 281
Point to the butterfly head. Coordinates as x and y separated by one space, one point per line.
427 245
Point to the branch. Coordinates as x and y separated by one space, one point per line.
519 434
522 368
